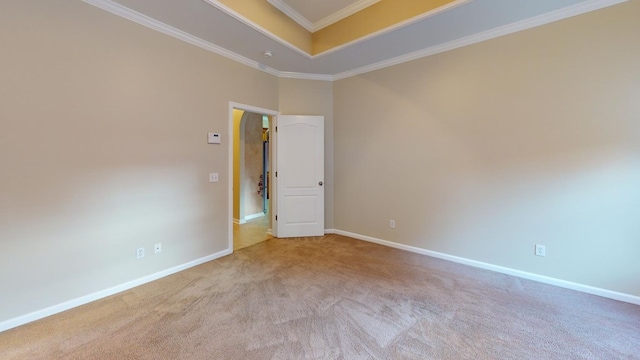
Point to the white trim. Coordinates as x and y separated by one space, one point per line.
303 76
500 269
273 180
341 14
242 126
236 15
322 23
55 309
394 27
254 216
161 27
330 231
153 24
239 222
539 20
292 13
253 109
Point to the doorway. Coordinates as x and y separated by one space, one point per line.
250 161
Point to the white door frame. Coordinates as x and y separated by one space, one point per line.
273 204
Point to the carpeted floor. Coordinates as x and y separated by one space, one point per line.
335 298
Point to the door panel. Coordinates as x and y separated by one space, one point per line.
300 169
305 209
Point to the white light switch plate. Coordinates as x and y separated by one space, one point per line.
213 138
213 177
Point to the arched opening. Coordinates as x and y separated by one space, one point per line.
251 190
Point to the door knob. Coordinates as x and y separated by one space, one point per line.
320 183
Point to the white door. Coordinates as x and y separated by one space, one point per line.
300 176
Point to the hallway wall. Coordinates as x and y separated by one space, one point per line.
253 153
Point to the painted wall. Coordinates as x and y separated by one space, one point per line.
265 15
237 121
480 152
103 150
311 97
484 151
252 163
247 146
374 18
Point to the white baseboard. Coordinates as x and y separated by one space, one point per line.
39 314
504 270
36 315
254 216
239 222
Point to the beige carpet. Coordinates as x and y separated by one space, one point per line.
335 298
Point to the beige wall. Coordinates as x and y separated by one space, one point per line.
103 150
311 97
480 152
252 163
484 151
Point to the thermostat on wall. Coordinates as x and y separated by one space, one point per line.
213 138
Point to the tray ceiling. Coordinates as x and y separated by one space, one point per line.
214 26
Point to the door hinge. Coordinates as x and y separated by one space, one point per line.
276 174
276 217
276 129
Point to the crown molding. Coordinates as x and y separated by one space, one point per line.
339 15
236 15
293 14
394 27
560 14
161 27
323 23
305 76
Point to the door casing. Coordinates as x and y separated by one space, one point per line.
274 114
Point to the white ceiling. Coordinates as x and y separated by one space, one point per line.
212 26
315 15
315 11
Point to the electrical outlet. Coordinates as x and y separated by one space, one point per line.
140 253
392 224
157 248
541 250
